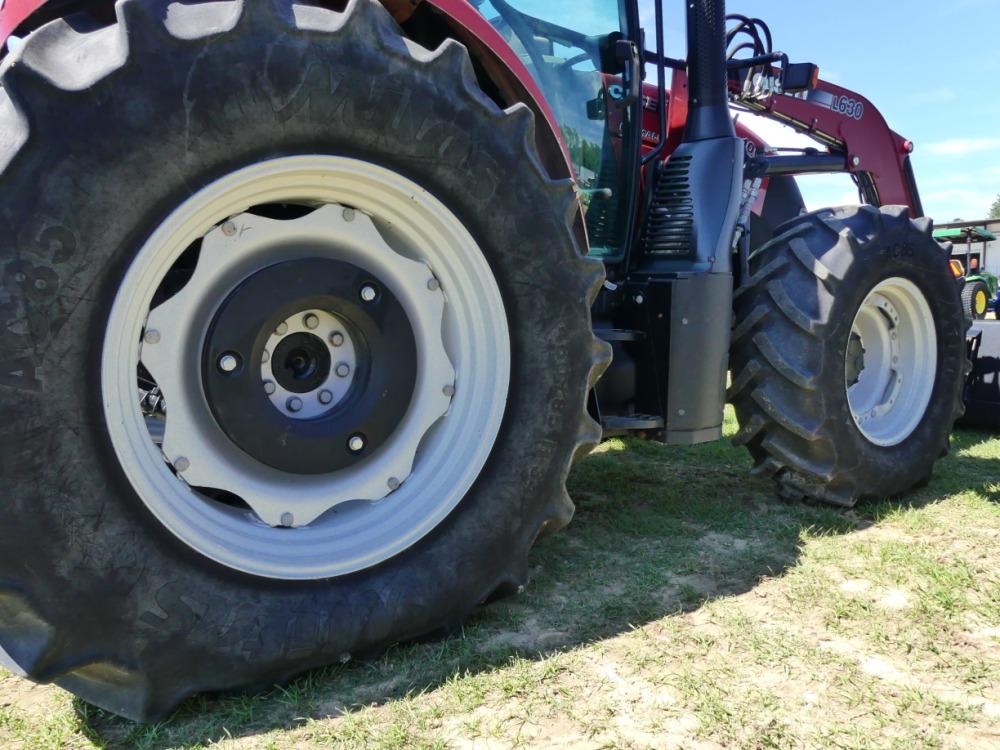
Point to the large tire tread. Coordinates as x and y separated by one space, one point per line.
785 362
64 60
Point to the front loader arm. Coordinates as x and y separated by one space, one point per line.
849 124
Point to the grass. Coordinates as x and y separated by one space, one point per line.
686 606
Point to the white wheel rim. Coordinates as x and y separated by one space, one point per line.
890 386
450 450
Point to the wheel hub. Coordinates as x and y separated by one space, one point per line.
307 404
890 361
331 365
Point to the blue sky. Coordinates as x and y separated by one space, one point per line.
931 67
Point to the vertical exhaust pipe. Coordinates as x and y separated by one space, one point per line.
708 99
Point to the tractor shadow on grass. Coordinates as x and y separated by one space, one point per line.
658 532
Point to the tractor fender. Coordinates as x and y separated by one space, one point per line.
459 19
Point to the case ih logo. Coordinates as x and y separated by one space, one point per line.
848 106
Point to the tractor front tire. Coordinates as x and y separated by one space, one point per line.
848 355
212 127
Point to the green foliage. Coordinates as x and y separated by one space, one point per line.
995 209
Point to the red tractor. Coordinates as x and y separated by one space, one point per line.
305 306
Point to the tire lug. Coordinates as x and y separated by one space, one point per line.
293 404
325 397
356 443
269 387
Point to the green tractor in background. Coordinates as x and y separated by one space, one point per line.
980 293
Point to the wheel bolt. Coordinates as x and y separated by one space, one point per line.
433 284
228 362
325 397
311 321
282 328
265 356
152 337
448 390
287 520
343 370
182 464
268 387
368 293
356 443
348 214
393 483
293 404
337 338
228 229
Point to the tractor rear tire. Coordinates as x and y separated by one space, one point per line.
797 351
976 299
107 133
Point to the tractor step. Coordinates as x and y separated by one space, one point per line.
618 425
619 334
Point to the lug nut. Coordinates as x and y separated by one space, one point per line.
287 519
325 397
228 362
393 483
343 370
182 464
268 387
356 443
265 356
228 228
282 328
310 321
433 284
448 390
293 404
348 214
368 293
152 337
337 338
